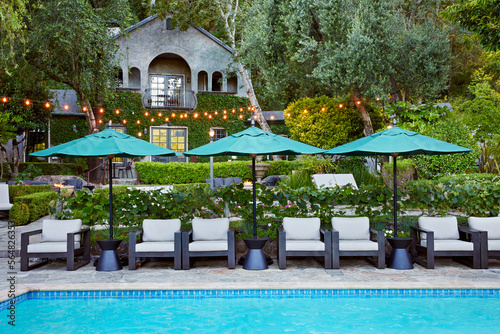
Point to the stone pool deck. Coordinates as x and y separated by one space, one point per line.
301 273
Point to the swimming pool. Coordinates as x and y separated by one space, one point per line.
255 311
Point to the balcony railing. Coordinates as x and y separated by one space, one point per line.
172 99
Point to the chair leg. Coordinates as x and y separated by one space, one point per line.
185 251
24 262
281 250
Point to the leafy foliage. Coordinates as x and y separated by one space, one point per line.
37 203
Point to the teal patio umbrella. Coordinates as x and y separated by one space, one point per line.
252 142
109 143
396 142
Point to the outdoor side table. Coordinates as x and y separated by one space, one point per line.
255 258
109 260
399 258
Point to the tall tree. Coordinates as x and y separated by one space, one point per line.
369 49
481 17
230 12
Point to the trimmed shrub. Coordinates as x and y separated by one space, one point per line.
49 168
23 190
37 203
19 214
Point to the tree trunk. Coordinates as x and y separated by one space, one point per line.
358 102
395 95
247 82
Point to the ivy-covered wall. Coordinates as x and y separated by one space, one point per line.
209 113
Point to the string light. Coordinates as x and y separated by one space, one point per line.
224 111
101 110
378 99
100 121
166 119
305 111
139 134
27 102
289 115
224 117
209 116
205 113
241 116
47 105
241 109
138 121
152 120
323 109
4 99
195 115
117 112
216 112
341 106
272 117
146 114
159 114
233 111
124 121
181 116
358 102
66 107
173 115
84 109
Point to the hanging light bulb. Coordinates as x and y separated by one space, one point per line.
323 109
100 121
305 111
4 99
139 134
205 113
146 114
66 107
210 116
124 121
224 111
173 115
159 114
138 121
224 117
117 112
101 110
27 102
195 115
341 106
152 120
47 105
84 109
233 111
216 112
241 116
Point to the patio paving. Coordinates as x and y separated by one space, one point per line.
301 273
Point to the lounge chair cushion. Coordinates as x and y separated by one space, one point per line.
154 246
493 245
355 228
57 230
488 224
208 246
50 247
305 245
445 228
450 245
358 245
160 230
4 197
302 228
210 229
325 180
345 179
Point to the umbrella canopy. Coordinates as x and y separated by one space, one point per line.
254 141
107 142
110 143
396 142
251 142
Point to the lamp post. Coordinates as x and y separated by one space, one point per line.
211 133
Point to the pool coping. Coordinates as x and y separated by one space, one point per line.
25 288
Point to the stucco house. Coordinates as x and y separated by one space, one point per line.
170 67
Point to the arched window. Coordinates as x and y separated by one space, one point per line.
232 83
217 82
202 81
119 78
134 78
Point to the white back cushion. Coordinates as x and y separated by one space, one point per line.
210 229
4 193
352 228
302 228
160 229
488 224
445 228
345 179
57 230
325 180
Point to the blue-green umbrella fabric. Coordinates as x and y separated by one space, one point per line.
104 143
396 140
254 141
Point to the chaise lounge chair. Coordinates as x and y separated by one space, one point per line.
5 204
352 236
304 237
441 236
209 237
60 239
158 238
333 180
489 227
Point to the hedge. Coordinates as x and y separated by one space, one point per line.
23 190
182 173
48 168
37 203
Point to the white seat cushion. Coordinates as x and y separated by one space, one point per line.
154 246
208 246
450 245
4 197
57 230
352 228
160 230
358 245
493 245
210 229
445 228
345 179
488 224
50 247
301 228
305 245
325 180
5 206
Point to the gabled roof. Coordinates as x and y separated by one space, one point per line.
200 29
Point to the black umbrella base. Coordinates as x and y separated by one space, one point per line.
255 258
109 260
399 258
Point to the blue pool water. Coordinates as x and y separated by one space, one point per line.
255 311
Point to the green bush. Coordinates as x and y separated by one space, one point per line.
19 214
48 168
463 178
22 190
37 203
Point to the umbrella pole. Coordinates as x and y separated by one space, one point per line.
254 200
110 169
395 197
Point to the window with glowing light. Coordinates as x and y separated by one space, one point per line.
174 138
219 133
